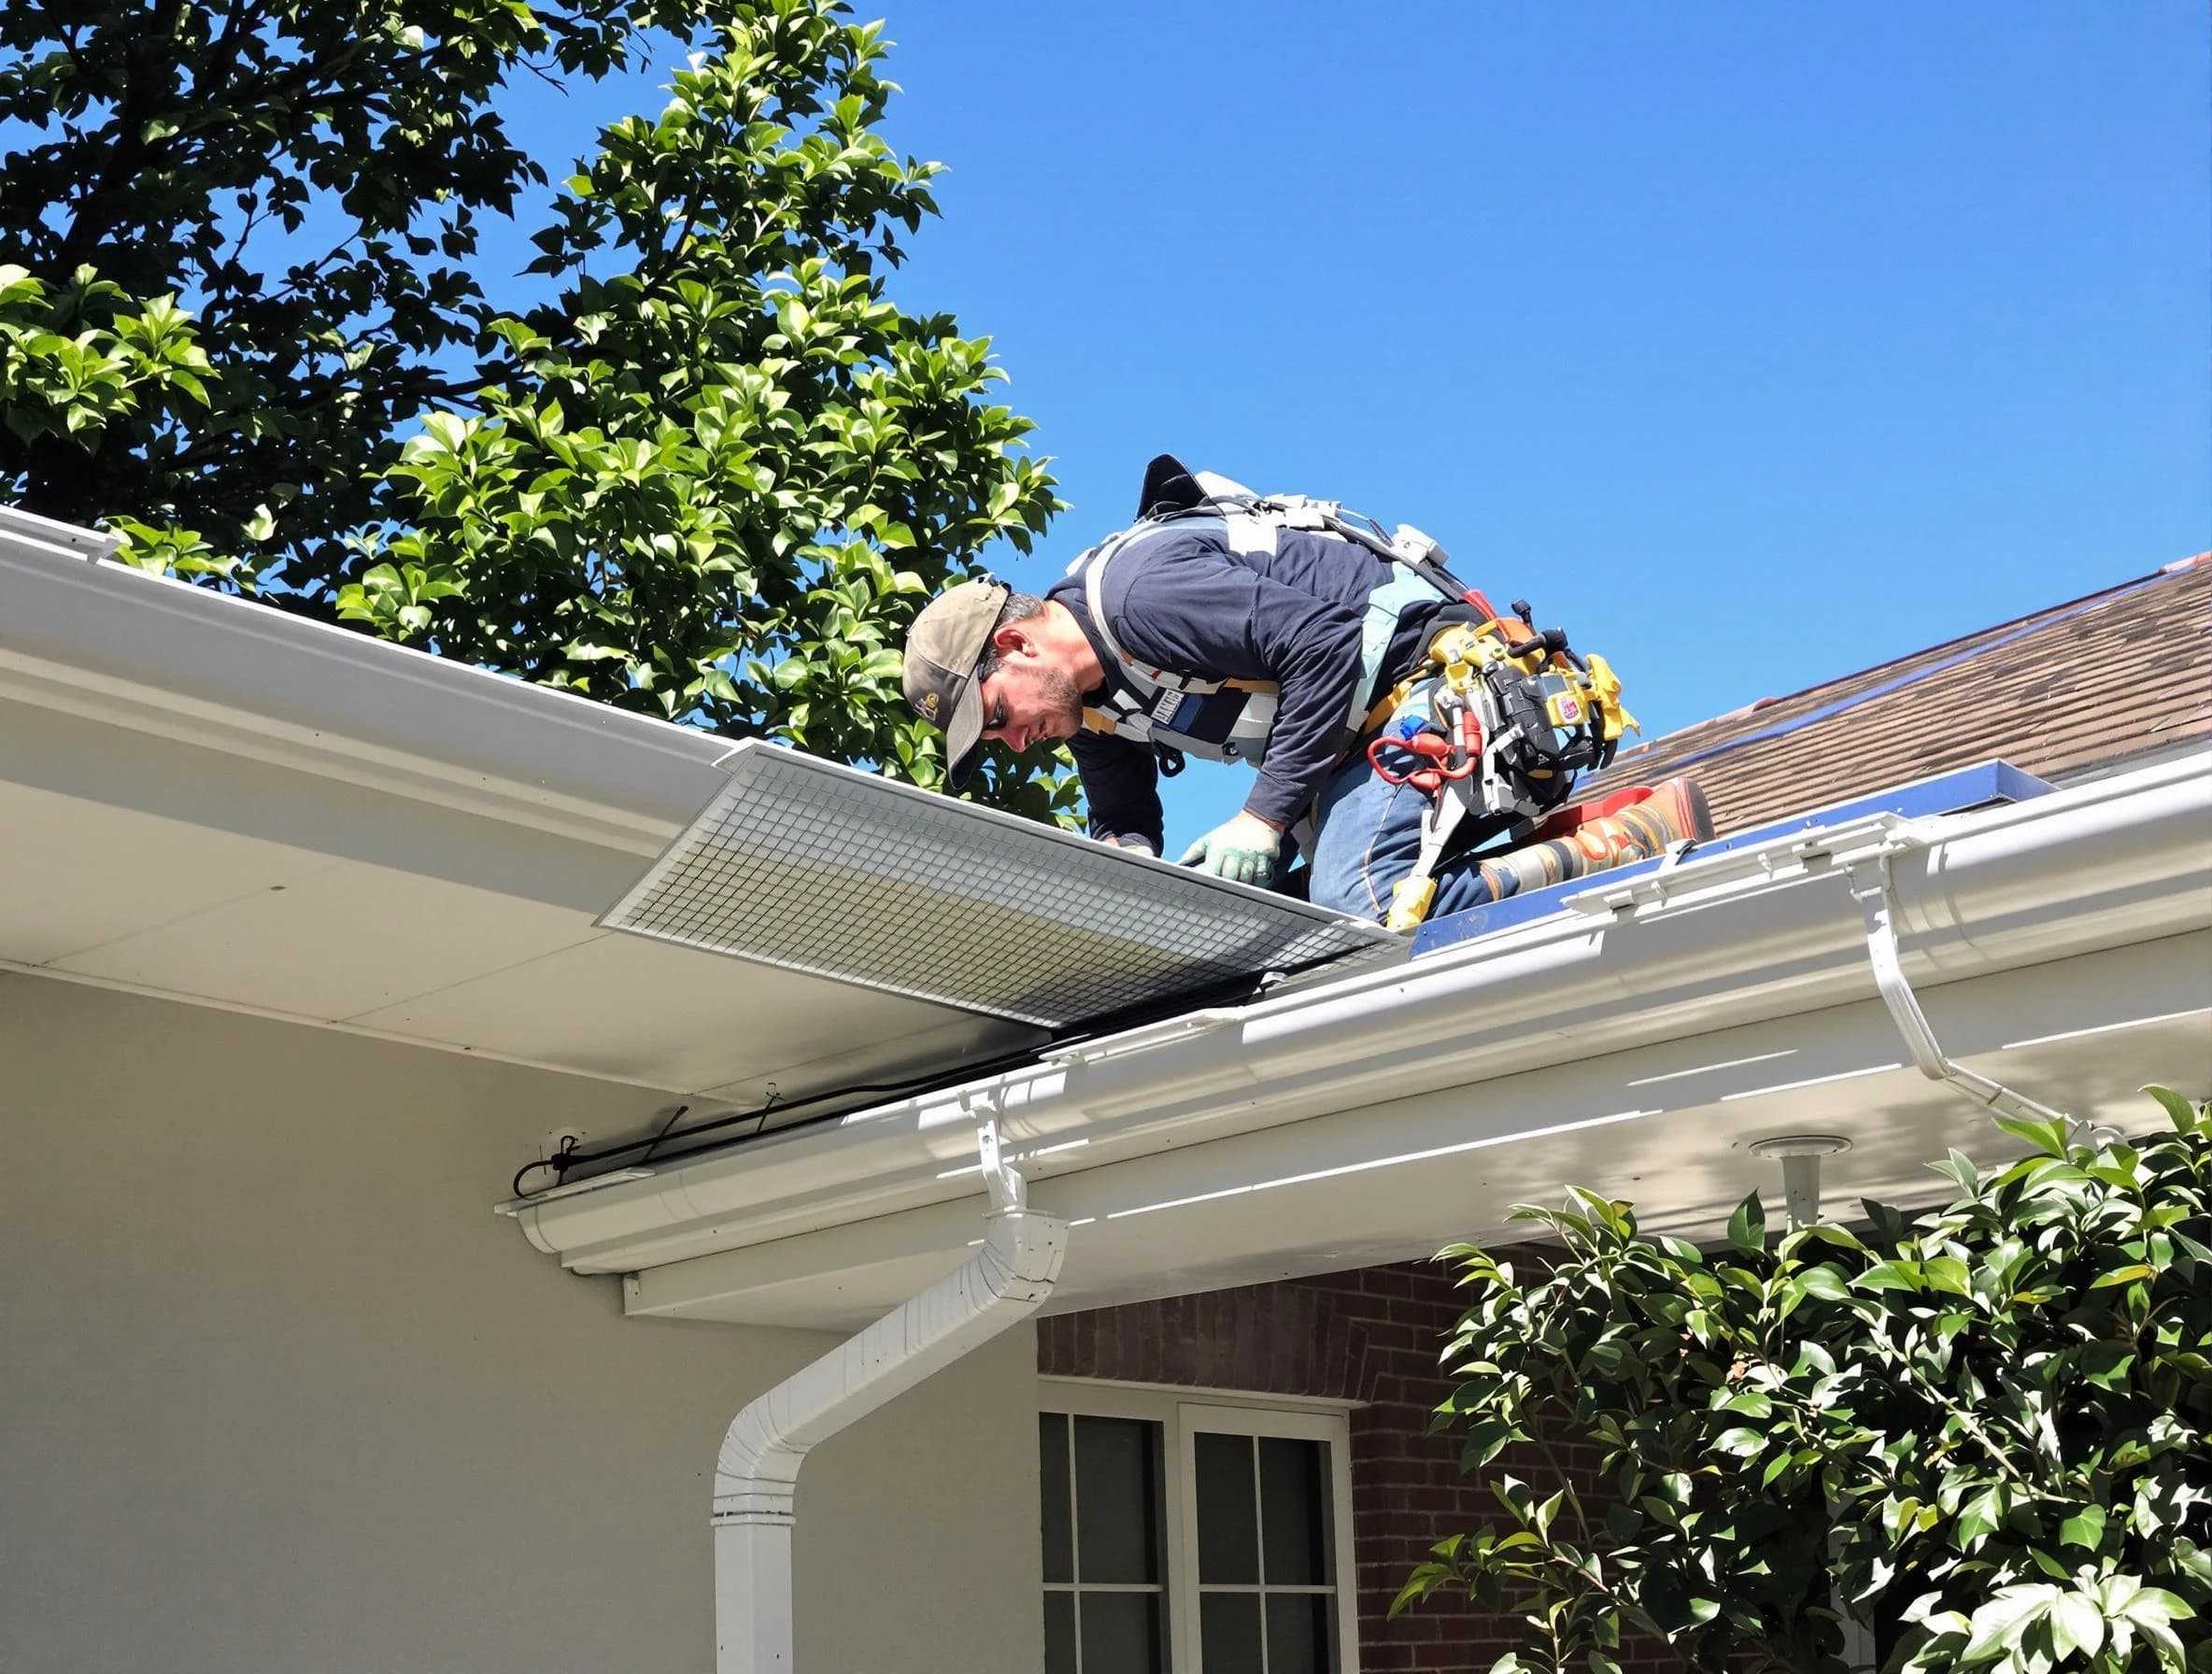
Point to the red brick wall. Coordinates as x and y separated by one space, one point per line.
1371 1336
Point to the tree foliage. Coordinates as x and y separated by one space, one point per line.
1985 1430
696 462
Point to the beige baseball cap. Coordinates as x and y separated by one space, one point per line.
943 647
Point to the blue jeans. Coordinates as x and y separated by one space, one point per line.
1368 836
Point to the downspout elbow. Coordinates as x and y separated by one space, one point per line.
756 1471
1010 1276
1870 887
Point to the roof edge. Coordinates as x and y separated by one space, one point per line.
128 649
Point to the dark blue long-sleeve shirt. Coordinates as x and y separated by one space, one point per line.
1183 600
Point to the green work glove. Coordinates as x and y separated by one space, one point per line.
1241 849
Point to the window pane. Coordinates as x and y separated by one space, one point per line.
1294 1510
1052 1478
1059 1633
1117 1475
1300 1635
1228 1633
1121 1634
1229 1541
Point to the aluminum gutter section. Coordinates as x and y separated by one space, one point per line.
757 1473
1761 933
161 656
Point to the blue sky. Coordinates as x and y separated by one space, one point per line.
1756 344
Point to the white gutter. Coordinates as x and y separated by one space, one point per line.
756 1474
1734 937
129 648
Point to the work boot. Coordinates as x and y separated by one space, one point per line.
1629 826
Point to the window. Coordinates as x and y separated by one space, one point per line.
1183 1537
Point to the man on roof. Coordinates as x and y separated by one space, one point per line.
1276 632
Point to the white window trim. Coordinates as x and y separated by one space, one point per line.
1180 1415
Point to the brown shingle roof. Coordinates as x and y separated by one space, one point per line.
2117 673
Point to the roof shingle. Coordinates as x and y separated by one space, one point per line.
2111 675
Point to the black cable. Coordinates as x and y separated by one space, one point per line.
669 1124
559 1161
1229 991
759 1117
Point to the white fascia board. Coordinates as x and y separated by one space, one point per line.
1734 941
162 656
1397 1180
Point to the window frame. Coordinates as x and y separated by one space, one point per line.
1182 1414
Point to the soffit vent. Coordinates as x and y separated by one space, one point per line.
814 867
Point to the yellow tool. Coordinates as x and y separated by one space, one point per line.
1513 717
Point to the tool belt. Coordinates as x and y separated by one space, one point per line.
1511 717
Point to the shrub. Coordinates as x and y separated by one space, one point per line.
1983 1431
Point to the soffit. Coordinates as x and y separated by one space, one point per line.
134 862
118 898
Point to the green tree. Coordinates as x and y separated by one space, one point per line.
1986 1431
710 475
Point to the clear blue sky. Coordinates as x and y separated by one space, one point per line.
1756 343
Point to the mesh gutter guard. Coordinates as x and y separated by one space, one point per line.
814 867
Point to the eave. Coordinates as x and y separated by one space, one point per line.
2065 942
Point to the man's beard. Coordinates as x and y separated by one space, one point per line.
1064 697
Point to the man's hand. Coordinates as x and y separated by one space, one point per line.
1241 849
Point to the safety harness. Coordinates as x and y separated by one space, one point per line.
1494 725
1223 720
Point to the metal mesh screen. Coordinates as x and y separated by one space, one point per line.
823 868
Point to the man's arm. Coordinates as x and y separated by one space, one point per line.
1120 788
1194 609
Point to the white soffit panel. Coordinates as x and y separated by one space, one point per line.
824 868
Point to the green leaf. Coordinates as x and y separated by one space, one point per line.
1486 1441
1747 1227
2178 1110
2077 1624
1891 1275
2047 1137
2086 1527
2128 1274
2004 1619
2156 1605
1824 1283
1978 1518
1946 1273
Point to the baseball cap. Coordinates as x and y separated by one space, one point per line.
943 647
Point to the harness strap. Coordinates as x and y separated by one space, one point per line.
1093 595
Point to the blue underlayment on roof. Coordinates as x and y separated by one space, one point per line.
1947 793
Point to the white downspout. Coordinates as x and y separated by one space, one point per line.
1869 875
757 1473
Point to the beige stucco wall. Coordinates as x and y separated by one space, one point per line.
277 1392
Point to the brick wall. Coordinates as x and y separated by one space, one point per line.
1370 1336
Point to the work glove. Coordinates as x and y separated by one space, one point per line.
1241 849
